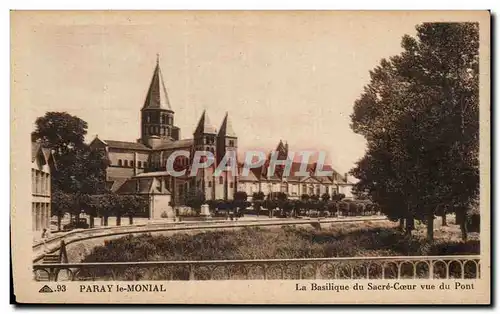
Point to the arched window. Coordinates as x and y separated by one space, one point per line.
139 164
145 164
131 163
221 180
120 162
125 163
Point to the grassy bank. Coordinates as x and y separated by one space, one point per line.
338 240
371 239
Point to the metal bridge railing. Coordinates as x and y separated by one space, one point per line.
390 267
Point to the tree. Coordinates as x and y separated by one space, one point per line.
61 132
325 197
240 196
105 205
61 203
80 171
338 197
410 113
195 199
258 196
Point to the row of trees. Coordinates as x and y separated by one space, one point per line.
420 117
99 205
78 181
287 207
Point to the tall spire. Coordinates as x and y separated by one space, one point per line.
226 128
204 125
157 97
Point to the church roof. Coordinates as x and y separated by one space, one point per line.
125 145
185 143
117 183
204 125
250 177
226 129
157 97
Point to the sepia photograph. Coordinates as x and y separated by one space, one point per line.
330 155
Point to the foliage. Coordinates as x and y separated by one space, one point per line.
80 171
240 196
325 197
338 197
419 115
258 196
111 204
195 200
348 240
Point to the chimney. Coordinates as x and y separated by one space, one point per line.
345 177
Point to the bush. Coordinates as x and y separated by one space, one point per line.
259 243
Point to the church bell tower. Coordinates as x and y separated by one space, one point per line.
157 116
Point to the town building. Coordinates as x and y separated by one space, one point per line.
42 162
139 167
294 186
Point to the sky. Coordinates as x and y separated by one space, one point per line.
291 76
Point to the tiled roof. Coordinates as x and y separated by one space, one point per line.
126 145
204 125
145 185
257 173
152 174
226 128
250 177
130 186
157 97
186 143
117 183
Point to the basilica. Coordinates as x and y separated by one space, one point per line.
139 167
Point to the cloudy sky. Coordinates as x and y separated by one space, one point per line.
289 76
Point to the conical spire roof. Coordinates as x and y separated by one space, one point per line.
204 125
157 97
226 129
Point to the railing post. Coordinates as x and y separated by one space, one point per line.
191 272
431 269
462 266
317 272
346 267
